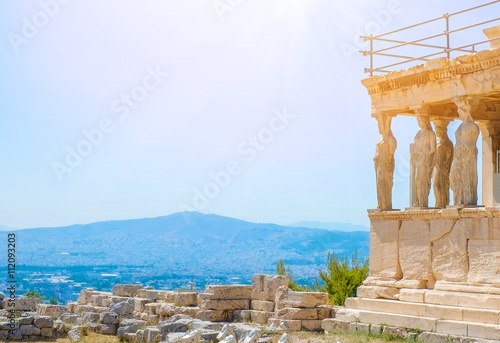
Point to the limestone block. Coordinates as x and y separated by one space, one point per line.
412 295
90 317
141 293
252 337
153 319
312 325
376 292
43 321
288 324
109 318
55 311
186 298
264 286
412 284
225 331
243 315
444 312
29 330
484 261
285 297
46 332
231 292
415 250
229 339
151 334
85 296
488 331
379 281
26 320
376 329
122 308
106 302
204 296
260 305
285 338
154 294
225 305
126 290
398 320
23 304
441 298
166 310
449 249
480 315
97 299
70 318
140 304
107 329
384 249
348 315
117 299
71 306
333 325
260 317
390 306
151 308
317 313
215 315
192 337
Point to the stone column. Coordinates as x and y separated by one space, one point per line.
490 131
442 165
384 162
422 158
463 172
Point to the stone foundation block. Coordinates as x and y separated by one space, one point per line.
231 292
225 305
260 305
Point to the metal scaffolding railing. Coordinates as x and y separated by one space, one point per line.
446 49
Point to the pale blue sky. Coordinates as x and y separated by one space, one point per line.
271 67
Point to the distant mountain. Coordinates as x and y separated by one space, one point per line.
332 226
185 244
6 228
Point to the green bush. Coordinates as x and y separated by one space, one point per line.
293 285
33 294
340 280
342 277
53 301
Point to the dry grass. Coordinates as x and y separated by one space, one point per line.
296 337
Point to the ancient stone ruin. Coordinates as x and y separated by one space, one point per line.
437 268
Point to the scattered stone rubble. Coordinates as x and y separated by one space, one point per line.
228 314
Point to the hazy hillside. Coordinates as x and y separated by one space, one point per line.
170 250
331 226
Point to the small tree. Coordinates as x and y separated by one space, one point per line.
53 301
292 284
34 294
342 277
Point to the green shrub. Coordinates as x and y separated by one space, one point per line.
342 277
34 294
53 301
293 285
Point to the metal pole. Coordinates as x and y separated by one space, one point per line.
371 55
447 35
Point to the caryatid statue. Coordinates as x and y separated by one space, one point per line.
384 162
422 159
463 173
441 172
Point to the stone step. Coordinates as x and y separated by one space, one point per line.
441 312
449 327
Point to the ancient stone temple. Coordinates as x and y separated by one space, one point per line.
436 266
